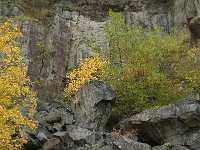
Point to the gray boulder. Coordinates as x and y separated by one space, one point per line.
53 144
94 104
53 116
124 143
82 136
176 124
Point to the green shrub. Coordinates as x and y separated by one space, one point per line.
148 69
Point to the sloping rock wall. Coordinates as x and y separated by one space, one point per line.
174 125
53 49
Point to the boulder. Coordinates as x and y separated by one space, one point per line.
176 124
53 144
82 136
94 104
53 116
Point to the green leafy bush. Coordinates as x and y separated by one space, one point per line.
148 69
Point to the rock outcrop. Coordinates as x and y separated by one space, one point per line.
176 125
81 126
94 104
63 127
53 49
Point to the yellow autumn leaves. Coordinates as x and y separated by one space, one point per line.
87 71
15 92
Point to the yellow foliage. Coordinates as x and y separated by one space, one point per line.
86 72
15 91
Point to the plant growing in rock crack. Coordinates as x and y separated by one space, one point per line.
44 49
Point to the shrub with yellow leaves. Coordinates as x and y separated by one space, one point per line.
15 92
87 71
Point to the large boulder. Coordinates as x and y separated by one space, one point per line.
94 104
175 124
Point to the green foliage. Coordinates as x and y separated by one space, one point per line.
146 68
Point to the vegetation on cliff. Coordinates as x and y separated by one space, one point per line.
87 71
15 92
148 69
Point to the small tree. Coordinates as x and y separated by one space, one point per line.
148 69
15 92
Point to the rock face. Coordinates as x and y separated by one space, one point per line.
175 125
93 110
51 50
69 127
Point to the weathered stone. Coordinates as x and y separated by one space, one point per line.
110 138
53 144
95 103
41 116
107 147
170 124
57 127
42 137
67 119
180 148
193 140
124 143
53 116
160 148
82 135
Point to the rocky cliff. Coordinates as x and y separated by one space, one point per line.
54 48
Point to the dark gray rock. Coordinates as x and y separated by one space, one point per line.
65 139
193 140
95 103
41 116
174 124
53 116
42 137
53 144
82 136
67 119
124 143
160 148
110 138
57 127
180 148
107 147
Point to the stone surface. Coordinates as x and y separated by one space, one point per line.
51 50
110 138
42 137
124 143
160 148
176 124
53 116
95 103
53 144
